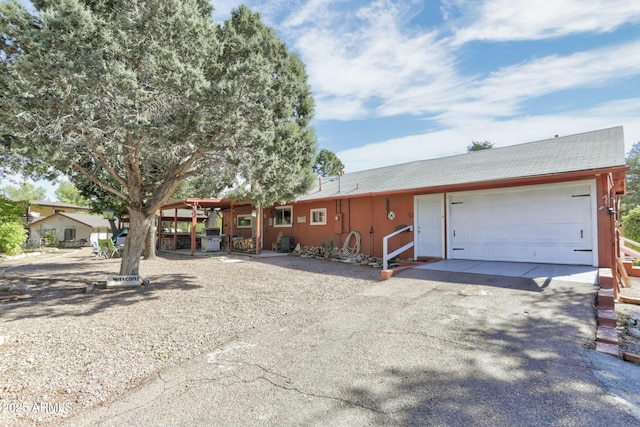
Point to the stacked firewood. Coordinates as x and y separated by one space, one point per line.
243 245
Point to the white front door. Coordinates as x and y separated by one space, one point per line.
543 223
429 227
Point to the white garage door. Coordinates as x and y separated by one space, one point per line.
545 223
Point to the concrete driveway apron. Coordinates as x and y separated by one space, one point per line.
423 348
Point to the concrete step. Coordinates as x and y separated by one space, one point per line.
606 299
607 318
607 335
605 278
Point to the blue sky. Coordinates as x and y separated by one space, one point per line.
398 81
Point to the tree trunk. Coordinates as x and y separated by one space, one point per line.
140 223
150 242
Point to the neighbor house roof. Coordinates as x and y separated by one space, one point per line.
590 151
93 221
57 205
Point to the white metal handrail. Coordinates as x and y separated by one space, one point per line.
385 246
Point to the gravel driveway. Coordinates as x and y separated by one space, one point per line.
62 351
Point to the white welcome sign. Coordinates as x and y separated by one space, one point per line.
124 281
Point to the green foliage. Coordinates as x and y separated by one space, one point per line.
68 193
50 239
631 224
327 163
478 146
25 191
11 210
130 98
631 200
12 236
327 248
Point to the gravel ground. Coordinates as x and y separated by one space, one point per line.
63 351
629 319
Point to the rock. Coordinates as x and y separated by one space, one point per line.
16 290
359 259
634 332
89 288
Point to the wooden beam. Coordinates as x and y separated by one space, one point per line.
629 300
624 277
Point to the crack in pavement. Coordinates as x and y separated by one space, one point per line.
322 396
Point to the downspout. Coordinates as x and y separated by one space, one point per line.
371 230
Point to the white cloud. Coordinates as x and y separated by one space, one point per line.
506 20
307 13
502 92
364 63
454 140
367 57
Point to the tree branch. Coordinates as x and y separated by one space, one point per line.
89 175
103 161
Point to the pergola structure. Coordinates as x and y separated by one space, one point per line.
197 208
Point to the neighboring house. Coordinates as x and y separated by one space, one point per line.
41 208
71 229
550 201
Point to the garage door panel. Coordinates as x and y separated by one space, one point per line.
550 223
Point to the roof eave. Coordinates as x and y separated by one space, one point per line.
483 185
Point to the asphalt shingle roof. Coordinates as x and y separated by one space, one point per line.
581 152
93 221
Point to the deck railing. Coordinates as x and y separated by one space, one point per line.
385 246
628 251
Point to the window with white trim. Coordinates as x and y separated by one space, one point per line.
318 216
284 216
244 221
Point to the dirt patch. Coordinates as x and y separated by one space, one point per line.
628 324
63 350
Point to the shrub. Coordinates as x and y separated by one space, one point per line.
631 224
50 239
12 236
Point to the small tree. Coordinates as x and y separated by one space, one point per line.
68 193
12 236
25 191
631 224
11 210
631 200
478 146
12 232
327 163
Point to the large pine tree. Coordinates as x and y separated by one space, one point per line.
132 97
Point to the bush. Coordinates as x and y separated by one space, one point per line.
50 239
631 224
12 236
